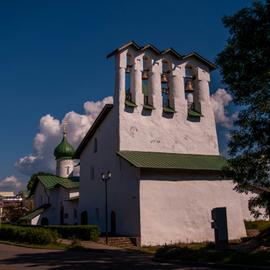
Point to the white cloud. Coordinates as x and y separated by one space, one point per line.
10 183
219 100
50 134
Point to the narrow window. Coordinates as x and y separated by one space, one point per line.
68 170
95 145
92 173
84 218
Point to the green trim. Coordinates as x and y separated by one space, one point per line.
148 107
168 110
159 160
194 113
130 103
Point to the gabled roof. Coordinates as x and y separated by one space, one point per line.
211 65
106 109
158 160
129 44
32 214
150 47
53 181
166 51
173 52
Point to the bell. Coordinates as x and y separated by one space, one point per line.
164 78
128 69
189 86
145 75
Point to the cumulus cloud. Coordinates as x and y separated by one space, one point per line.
219 100
50 134
10 183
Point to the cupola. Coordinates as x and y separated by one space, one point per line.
64 150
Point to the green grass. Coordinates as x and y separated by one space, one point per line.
207 253
60 246
260 225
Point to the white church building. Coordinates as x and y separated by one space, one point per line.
56 197
159 141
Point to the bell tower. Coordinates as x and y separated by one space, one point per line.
163 101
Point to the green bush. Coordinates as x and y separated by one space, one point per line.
82 232
32 235
260 225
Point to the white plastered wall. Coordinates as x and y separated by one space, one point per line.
123 193
177 208
56 198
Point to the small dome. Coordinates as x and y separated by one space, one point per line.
64 149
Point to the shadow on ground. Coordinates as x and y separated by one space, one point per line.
86 259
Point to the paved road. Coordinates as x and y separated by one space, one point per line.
13 257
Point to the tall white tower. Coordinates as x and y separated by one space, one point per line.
64 153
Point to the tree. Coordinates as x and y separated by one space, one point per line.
245 67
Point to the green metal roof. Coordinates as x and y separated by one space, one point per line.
53 181
35 212
157 160
64 149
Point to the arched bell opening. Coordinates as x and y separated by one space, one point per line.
167 98
146 83
191 92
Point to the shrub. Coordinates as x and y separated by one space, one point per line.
32 235
82 232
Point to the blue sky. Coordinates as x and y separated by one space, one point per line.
53 55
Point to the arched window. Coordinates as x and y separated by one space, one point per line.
44 221
84 218
113 223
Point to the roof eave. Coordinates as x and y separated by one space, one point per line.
173 52
102 115
125 46
211 65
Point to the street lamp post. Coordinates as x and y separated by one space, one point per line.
105 178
